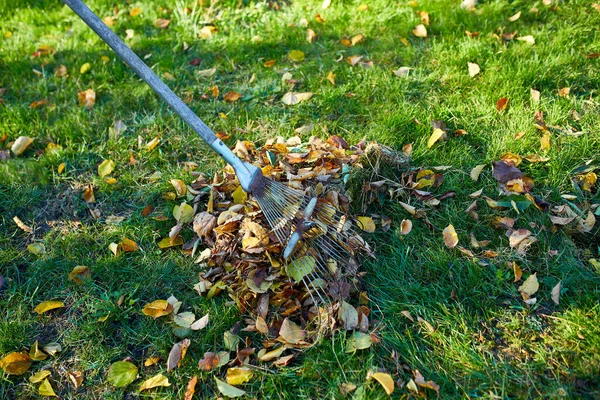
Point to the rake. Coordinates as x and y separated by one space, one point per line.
319 242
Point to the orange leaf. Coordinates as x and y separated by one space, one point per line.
502 104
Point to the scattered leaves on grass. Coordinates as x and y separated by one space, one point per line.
473 69
87 98
16 363
122 373
435 136
504 172
450 237
158 380
358 341
157 309
420 31
21 144
385 380
475 172
200 324
529 287
46 306
228 390
128 245
292 98
348 315
517 236
502 104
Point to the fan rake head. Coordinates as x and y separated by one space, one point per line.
320 244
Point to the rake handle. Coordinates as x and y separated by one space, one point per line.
142 70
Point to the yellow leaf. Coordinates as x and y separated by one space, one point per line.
238 376
435 136
179 186
450 237
7 34
564 92
110 180
21 144
157 309
45 389
151 361
475 172
271 355
529 287
152 144
239 195
122 373
85 68
473 69
36 354
545 141
362 7
515 17
128 245
48 305
16 363
36 248
357 39
106 168
183 213
88 195
292 98
76 378
155 381
296 55
135 11
366 224
39 376
167 242
331 77
528 39
61 168
79 274
385 380
420 31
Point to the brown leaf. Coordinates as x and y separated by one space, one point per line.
190 389
420 380
311 36
162 23
502 104
177 353
406 226
87 98
209 362
518 236
38 104
128 245
231 96
504 172
564 92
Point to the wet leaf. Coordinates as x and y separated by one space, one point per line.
291 332
435 136
238 376
292 98
157 309
366 224
296 55
450 237
16 363
48 305
106 168
79 274
228 390
190 389
21 144
158 380
502 104
473 69
556 293
87 98
420 31
122 373
45 389
385 380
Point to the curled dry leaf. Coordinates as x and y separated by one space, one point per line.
76 378
502 104
420 31
87 98
177 354
450 237
402 71
385 380
190 388
21 144
406 226
157 309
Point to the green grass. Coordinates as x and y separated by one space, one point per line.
486 342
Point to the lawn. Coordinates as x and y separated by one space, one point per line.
470 330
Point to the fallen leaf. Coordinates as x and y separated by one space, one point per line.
179 186
402 71
311 35
291 332
357 39
52 348
529 287
406 226
190 389
88 194
16 363
36 248
366 224
473 69
122 373
517 271
158 380
76 378
292 98
331 77
358 341
39 376
184 319
515 17
420 380
38 104
36 354
475 172
504 172
556 293
348 315
206 73
231 96
502 104
535 95
128 245
87 98
61 168
135 11
85 68
22 225
385 380
518 236
301 267
228 390
435 136
450 237
47 306
177 354
150 361
21 144
353 60
45 389
564 92
586 225
420 31
106 168
200 324
296 55
528 39
238 376
162 23
157 309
